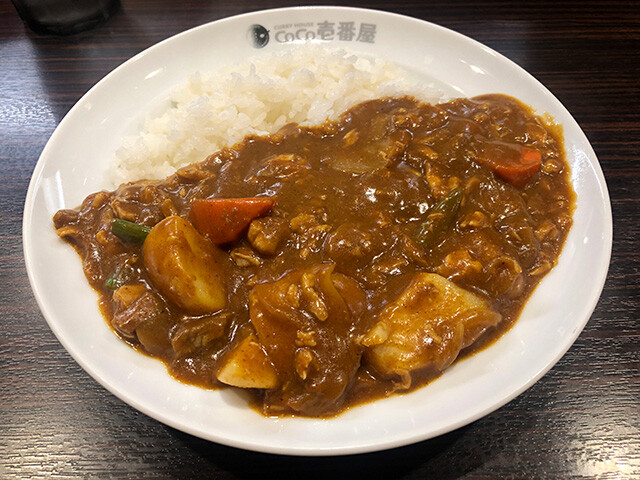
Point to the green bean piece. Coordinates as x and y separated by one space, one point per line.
129 231
440 218
121 276
113 282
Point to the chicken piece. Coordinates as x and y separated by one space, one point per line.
426 326
306 320
186 267
247 366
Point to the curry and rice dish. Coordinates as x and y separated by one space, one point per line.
321 267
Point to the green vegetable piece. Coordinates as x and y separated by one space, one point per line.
440 218
129 231
121 276
113 282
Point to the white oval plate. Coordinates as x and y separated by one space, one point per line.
74 162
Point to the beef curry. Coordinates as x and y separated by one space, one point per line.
320 267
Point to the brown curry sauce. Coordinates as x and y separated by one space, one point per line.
351 197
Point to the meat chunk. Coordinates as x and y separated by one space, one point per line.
305 320
195 333
426 326
139 205
504 277
309 233
265 234
350 243
372 252
134 305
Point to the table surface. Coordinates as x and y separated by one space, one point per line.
581 420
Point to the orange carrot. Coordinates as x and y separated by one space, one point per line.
515 164
223 220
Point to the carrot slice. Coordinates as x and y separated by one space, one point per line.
515 164
223 220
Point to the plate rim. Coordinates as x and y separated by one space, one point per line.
362 447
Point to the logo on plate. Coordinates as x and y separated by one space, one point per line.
259 35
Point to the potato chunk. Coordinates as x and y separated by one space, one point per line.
184 266
426 326
247 366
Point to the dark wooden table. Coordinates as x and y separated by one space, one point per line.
580 421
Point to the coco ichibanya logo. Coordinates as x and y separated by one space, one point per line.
301 32
259 35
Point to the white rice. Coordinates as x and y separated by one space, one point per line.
307 85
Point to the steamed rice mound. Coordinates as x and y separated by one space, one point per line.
307 85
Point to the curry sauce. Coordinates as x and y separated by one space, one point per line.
321 267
